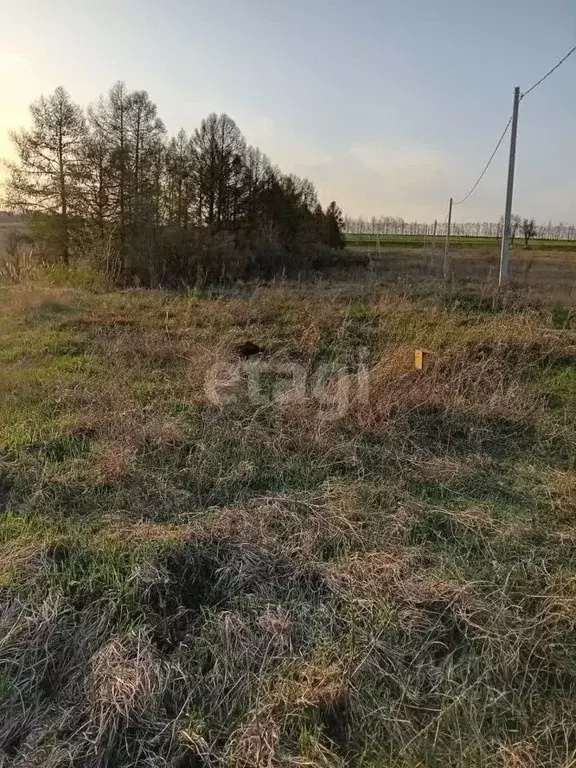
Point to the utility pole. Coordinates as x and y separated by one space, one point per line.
431 253
446 269
505 252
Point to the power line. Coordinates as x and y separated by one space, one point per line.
505 131
496 148
570 52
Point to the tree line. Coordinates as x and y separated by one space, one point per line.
107 183
390 225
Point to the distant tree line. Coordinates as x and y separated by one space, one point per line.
108 184
389 225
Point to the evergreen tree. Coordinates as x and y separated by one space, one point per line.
334 226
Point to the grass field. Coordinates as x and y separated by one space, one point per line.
317 556
458 242
539 275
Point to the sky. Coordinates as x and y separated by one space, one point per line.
389 106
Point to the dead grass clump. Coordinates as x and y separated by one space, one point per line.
49 755
255 744
320 681
254 523
105 408
331 522
112 461
268 522
559 595
322 525
41 686
318 684
309 338
278 624
521 754
428 589
562 489
474 519
146 347
370 575
124 681
163 431
336 520
117 531
17 555
448 469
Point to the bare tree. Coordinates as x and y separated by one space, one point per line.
145 136
109 120
220 152
46 177
515 224
180 190
259 179
98 203
528 230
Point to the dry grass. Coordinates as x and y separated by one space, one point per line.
279 581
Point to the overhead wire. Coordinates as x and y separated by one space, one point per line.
505 131
496 148
547 75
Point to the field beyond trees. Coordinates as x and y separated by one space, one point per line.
238 528
456 241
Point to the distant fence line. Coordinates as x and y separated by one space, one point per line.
391 226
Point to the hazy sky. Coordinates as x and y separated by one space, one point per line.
388 106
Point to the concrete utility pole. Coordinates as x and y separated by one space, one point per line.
505 252
446 269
